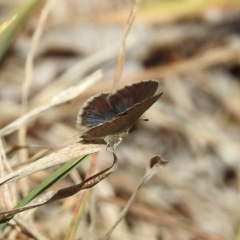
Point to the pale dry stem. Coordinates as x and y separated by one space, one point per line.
23 153
121 57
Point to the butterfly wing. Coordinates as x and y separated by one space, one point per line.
135 112
128 96
94 112
114 127
122 123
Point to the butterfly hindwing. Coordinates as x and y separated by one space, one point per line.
95 111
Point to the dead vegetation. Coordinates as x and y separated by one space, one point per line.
52 67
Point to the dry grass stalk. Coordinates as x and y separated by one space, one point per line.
121 57
23 153
64 192
61 98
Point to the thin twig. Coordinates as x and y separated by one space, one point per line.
23 153
153 168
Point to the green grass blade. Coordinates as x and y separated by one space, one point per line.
8 30
56 176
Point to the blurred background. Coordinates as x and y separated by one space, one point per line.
193 48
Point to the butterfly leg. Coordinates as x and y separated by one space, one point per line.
113 142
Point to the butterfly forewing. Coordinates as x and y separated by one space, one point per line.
137 110
127 97
144 90
114 127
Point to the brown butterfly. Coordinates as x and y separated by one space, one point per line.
112 114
